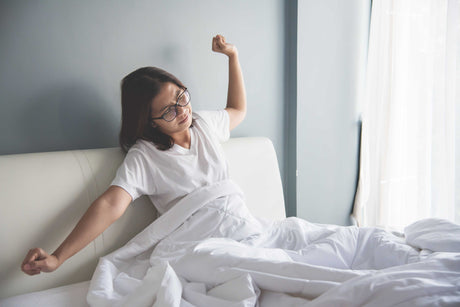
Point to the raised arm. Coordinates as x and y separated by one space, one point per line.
101 214
236 96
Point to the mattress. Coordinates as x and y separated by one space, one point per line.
73 295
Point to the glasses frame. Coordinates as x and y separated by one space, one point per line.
175 106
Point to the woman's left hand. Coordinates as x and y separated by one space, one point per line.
219 45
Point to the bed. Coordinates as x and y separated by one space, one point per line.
290 263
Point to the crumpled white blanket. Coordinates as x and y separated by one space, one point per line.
208 250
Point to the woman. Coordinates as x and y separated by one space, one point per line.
171 151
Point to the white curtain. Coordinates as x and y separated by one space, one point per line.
407 166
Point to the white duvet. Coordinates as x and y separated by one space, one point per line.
208 250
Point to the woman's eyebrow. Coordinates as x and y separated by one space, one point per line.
166 106
178 92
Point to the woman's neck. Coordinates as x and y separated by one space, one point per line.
183 138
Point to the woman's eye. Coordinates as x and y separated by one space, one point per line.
168 110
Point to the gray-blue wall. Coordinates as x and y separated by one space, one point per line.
61 63
332 55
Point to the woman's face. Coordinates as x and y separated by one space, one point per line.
164 102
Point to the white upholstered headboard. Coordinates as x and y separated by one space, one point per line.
43 195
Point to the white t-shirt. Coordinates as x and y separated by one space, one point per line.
167 176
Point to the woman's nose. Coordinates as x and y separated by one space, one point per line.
180 110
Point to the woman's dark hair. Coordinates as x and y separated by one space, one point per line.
138 89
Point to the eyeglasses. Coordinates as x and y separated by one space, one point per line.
171 112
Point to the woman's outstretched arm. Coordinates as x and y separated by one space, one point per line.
101 214
236 97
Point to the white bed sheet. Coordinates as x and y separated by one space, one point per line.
210 251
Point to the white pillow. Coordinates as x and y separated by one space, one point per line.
438 235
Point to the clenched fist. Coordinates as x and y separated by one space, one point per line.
37 260
221 46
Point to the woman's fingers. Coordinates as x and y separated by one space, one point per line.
222 40
215 44
218 42
31 255
220 45
30 269
29 265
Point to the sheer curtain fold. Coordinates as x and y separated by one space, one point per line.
407 167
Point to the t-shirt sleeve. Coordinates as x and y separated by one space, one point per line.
218 122
133 175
